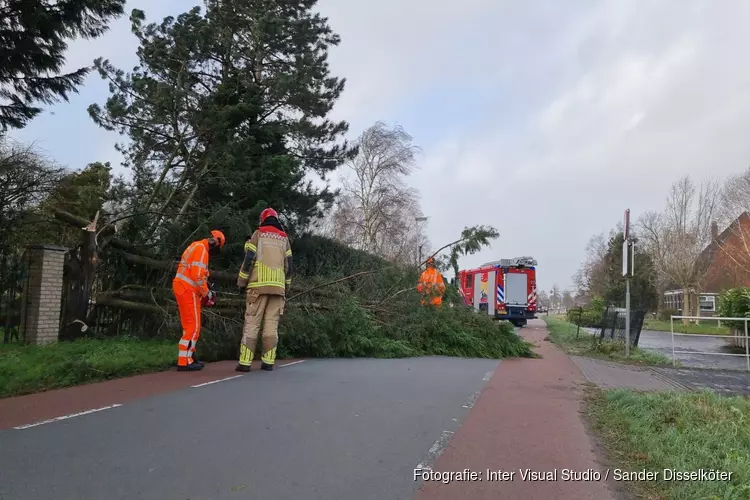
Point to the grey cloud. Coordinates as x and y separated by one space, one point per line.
611 101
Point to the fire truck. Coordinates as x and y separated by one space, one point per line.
504 289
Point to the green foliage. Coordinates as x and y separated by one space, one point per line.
26 178
666 314
351 329
472 240
589 316
35 35
82 193
212 145
735 303
26 369
375 314
319 256
677 431
643 293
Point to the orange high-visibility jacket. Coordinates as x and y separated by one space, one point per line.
431 282
193 268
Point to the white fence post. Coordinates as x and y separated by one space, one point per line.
747 347
671 326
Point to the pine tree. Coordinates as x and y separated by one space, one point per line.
33 41
227 114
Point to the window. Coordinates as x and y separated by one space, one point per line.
708 303
468 281
673 300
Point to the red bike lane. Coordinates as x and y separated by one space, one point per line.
527 417
57 403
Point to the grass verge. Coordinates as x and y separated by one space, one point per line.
685 432
563 334
709 328
26 369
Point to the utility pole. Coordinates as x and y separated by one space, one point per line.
628 265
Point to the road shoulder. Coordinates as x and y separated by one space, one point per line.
529 416
23 410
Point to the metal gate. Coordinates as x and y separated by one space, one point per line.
14 276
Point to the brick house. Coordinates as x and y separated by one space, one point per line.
729 267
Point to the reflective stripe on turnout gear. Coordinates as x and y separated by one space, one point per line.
246 356
270 357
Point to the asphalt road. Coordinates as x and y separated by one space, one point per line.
322 429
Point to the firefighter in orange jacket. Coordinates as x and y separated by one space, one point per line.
265 276
431 285
190 287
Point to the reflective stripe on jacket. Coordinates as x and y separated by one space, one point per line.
268 266
431 282
193 267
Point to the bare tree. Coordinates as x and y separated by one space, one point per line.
377 210
543 299
590 278
677 237
555 297
26 178
567 300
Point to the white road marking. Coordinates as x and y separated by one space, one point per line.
487 376
470 402
65 417
217 381
238 376
435 451
292 363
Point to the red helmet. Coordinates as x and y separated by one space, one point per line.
268 212
220 238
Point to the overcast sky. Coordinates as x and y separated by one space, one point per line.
542 118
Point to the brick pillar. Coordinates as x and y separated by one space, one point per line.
40 318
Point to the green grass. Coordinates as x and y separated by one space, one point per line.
682 431
26 369
563 334
705 328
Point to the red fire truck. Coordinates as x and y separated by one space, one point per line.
504 289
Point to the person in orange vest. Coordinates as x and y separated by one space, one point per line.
191 290
431 286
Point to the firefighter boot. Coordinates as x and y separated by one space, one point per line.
192 367
267 367
241 368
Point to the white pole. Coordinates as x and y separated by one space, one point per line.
747 347
627 317
627 270
671 328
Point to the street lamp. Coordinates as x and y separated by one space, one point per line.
418 220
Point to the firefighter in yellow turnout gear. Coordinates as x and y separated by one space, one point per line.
265 275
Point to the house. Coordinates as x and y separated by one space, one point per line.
728 256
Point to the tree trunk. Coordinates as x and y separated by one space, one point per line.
78 285
172 266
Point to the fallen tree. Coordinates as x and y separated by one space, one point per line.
343 302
